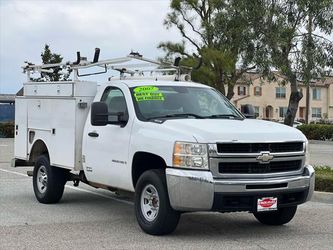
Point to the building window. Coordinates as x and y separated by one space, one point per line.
316 112
316 94
241 90
257 91
280 92
282 111
256 111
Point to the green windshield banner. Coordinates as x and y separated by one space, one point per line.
148 93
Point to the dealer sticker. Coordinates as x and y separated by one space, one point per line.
267 204
148 93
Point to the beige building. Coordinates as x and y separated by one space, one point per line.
271 99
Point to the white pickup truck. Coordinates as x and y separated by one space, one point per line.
179 146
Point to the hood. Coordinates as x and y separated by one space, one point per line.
225 130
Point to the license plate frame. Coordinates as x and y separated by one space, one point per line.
265 204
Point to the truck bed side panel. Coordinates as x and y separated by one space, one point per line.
53 122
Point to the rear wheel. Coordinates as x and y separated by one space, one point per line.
279 217
48 181
152 206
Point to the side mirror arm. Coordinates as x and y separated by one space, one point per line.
122 119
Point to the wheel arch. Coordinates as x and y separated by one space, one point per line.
39 148
143 161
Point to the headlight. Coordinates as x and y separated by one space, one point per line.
307 153
190 155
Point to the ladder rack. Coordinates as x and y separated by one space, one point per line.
111 64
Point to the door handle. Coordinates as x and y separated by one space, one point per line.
93 134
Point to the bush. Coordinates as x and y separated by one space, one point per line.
317 131
7 130
324 179
322 121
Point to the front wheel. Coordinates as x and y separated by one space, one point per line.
48 181
152 206
279 217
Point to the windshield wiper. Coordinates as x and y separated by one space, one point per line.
177 115
224 116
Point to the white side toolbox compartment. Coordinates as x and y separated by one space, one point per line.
21 128
54 113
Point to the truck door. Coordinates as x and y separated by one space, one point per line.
106 147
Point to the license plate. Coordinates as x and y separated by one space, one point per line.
266 204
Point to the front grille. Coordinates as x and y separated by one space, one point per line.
258 168
259 147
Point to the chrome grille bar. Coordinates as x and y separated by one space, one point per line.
247 163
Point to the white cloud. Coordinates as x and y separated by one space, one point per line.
114 26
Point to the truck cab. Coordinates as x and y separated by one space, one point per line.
211 156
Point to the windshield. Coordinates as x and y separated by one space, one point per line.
153 102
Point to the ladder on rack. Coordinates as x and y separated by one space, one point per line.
174 70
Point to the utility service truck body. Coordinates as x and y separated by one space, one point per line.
54 114
179 146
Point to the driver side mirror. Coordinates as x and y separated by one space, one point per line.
99 114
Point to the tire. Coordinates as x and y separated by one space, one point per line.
48 182
152 206
279 217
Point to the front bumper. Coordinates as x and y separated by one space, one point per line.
192 190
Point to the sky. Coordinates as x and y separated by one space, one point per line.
114 26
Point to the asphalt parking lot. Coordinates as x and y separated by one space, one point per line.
321 153
88 218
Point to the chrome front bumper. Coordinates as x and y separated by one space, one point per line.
192 190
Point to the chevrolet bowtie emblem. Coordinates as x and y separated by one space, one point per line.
265 157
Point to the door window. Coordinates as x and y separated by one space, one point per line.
116 102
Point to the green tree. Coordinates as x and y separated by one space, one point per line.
52 58
217 31
288 35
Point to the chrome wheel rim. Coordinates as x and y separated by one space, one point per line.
150 202
42 179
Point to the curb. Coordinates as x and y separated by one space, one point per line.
325 197
320 142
